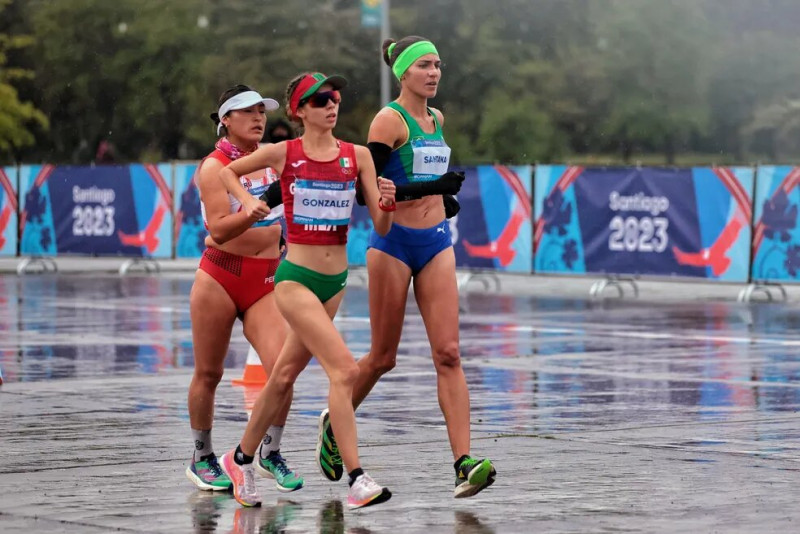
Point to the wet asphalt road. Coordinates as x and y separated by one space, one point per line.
663 414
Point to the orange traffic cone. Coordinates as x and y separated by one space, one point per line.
251 394
254 374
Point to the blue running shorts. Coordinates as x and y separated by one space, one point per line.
413 246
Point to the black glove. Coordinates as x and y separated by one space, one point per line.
272 196
451 206
451 180
447 184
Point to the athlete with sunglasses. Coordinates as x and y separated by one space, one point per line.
318 175
235 279
408 147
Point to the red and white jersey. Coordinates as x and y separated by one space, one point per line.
256 184
318 196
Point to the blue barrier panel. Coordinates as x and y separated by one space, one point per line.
9 229
105 210
776 240
358 236
492 230
190 232
676 222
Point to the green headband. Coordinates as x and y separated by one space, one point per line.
408 56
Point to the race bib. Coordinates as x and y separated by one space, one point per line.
256 185
431 159
323 203
275 215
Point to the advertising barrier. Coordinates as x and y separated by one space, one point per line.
644 221
9 222
190 232
776 235
108 210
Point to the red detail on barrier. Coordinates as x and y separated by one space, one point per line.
5 216
146 238
736 190
500 248
5 181
155 174
715 255
517 186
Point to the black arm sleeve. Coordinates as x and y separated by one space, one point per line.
380 156
272 196
448 184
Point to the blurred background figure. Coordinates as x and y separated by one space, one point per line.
106 153
278 130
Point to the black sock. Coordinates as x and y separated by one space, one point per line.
354 474
241 458
458 462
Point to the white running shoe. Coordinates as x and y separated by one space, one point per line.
365 492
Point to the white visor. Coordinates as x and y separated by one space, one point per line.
245 100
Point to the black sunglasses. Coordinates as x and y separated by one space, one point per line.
320 99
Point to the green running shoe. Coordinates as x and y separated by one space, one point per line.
274 466
328 459
473 476
206 474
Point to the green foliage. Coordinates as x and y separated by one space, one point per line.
17 117
523 80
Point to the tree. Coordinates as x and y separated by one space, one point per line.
653 56
16 116
116 71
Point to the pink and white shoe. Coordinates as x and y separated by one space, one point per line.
366 492
243 478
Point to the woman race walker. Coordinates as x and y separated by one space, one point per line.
408 147
318 175
235 279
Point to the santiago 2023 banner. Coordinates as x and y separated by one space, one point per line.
644 221
106 210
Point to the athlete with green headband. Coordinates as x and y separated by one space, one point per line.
408 147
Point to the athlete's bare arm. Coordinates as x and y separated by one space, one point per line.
388 128
271 155
222 224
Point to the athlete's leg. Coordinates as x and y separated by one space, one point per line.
293 358
266 330
212 314
305 313
388 280
436 292
312 321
